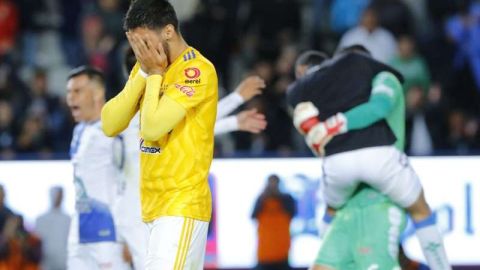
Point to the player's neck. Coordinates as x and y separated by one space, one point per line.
176 49
96 116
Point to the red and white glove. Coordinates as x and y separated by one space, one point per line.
317 134
305 116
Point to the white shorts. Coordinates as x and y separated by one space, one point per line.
100 255
135 236
176 243
96 256
384 168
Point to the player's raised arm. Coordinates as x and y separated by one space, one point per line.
158 116
117 112
246 90
248 120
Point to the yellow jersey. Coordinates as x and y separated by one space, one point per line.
174 170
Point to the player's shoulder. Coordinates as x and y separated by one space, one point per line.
387 77
97 132
193 58
78 127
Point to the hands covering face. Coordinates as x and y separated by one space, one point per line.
148 50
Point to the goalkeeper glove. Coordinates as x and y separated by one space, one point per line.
317 134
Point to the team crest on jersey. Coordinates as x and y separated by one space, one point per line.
149 149
187 90
192 73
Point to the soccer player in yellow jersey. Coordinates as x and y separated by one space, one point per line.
175 89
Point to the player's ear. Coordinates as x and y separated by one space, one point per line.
168 32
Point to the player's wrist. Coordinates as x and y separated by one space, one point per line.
143 73
156 72
242 95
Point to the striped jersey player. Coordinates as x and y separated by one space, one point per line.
93 238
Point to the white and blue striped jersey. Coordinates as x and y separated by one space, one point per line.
96 179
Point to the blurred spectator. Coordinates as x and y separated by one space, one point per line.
52 227
456 122
42 103
411 65
5 212
279 123
463 29
394 15
7 134
95 44
213 30
379 41
112 18
8 26
39 18
34 136
418 133
51 110
274 33
71 12
185 9
273 211
12 89
346 14
463 134
421 21
426 120
19 249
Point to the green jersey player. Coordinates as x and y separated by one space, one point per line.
351 110
364 234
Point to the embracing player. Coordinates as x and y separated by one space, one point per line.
351 111
175 89
349 243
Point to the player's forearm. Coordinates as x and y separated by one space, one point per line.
228 104
368 113
159 115
117 113
226 125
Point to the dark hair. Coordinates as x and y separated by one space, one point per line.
354 48
91 72
311 58
273 177
153 14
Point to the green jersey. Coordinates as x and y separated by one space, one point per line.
364 234
386 102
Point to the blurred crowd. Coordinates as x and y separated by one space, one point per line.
435 44
42 247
